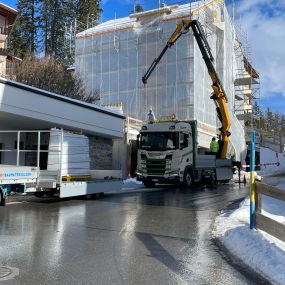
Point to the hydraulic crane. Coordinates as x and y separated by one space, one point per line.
218 95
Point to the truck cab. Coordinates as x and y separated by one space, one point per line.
167 154
166 149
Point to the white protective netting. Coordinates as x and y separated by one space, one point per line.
114 56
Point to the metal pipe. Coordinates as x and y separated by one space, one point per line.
61 155
18 147
38 155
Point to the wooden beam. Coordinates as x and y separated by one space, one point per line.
270 226
270 191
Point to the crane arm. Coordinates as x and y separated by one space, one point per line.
219 95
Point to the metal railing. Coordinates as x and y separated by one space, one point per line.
263 222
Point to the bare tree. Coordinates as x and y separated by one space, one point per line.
51 76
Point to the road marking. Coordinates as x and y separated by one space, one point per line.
8 273
13 203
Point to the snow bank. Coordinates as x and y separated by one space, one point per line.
258 250
132 181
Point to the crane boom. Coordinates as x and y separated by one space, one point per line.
219 95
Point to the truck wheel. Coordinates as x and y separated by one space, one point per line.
50 194
212 179
148 183
188 177
39 194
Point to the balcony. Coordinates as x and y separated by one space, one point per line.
3 34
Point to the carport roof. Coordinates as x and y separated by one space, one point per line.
61 98
23 107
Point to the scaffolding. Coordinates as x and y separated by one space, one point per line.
247 82
114 55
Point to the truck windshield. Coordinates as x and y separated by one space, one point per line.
159 141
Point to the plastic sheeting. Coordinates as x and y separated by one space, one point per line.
114 56
70 152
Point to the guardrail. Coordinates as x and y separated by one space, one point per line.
133 123
265 223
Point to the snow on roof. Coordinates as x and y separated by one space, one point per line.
176 12
62 98
10 9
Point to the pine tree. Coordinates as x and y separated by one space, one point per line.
40 26
23 40
283 124
269 119
55 15
88 12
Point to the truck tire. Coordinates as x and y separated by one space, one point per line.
148 183
39 194
188 178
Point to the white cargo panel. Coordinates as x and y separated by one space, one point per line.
70 151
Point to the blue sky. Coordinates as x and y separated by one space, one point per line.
264 22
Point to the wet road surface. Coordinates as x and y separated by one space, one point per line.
158 237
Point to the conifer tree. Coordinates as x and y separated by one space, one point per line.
40 26
88 11
23 40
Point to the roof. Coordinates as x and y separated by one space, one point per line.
62 98
8 8
9 13
172 13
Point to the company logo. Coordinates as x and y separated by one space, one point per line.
15 174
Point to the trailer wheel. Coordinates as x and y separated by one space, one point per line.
3 200
188 177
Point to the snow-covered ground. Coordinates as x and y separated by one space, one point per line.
260 251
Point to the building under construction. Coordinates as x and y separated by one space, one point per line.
113 57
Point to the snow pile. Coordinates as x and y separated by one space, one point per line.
132 181
263 253
267 157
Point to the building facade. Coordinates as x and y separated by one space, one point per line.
114 56
7 19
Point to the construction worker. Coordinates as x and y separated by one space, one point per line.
150 116
214 146
220 142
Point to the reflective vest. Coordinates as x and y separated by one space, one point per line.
214 146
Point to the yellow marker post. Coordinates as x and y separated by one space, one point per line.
252 181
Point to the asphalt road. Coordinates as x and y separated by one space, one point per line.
156 237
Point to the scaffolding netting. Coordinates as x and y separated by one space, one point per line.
114 56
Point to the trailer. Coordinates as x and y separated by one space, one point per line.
59 164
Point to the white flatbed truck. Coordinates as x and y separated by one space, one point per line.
51 182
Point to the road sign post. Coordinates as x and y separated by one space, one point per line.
252 180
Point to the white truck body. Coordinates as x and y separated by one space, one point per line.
168 151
